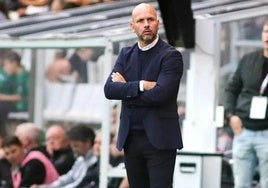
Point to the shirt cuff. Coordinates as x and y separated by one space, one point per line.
141 85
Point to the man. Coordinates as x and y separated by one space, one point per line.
58 147
59 70
84 172
246 107
14 87
79 64
28 168
31 137
146 77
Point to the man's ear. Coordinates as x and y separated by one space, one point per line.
131 27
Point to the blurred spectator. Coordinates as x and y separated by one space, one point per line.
79 64
31 137
97 144
59 70
114 119
5 173
14 87
181 111
34 6
57 5
2 53
12 8
78 3
84 173
57 145
3 11
252 27
116 156
28 168
224 140
20 8
1 149
116 160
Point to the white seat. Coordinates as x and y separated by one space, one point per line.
87 104
58 100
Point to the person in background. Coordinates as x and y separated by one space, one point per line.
246 108
59 70
79 3
3 11
23 88
2 53
115 160
146 78
13 9
79 64
33 7
58 147
31 137
14 87
84 172
28 168
5 173
20 8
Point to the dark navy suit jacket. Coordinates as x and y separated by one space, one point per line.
159 105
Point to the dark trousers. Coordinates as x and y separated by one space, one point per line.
147 166
5 108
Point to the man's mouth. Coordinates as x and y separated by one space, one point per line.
147 32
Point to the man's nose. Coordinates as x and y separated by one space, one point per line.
146 23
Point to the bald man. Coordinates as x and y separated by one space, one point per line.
58 147
146 78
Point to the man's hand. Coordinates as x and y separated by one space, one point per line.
236 124
147 85
117 77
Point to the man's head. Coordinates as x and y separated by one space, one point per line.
56 139
11 62
85 54
145 23
29 135
14 151
265 38
81 139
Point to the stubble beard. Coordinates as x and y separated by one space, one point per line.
148 39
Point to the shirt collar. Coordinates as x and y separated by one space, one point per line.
149 46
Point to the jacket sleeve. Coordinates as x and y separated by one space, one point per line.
167 83
117 90
167 86
233 90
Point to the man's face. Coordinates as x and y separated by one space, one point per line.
80 148
85 54
10 67
55 140
265 37
145 24
14 154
